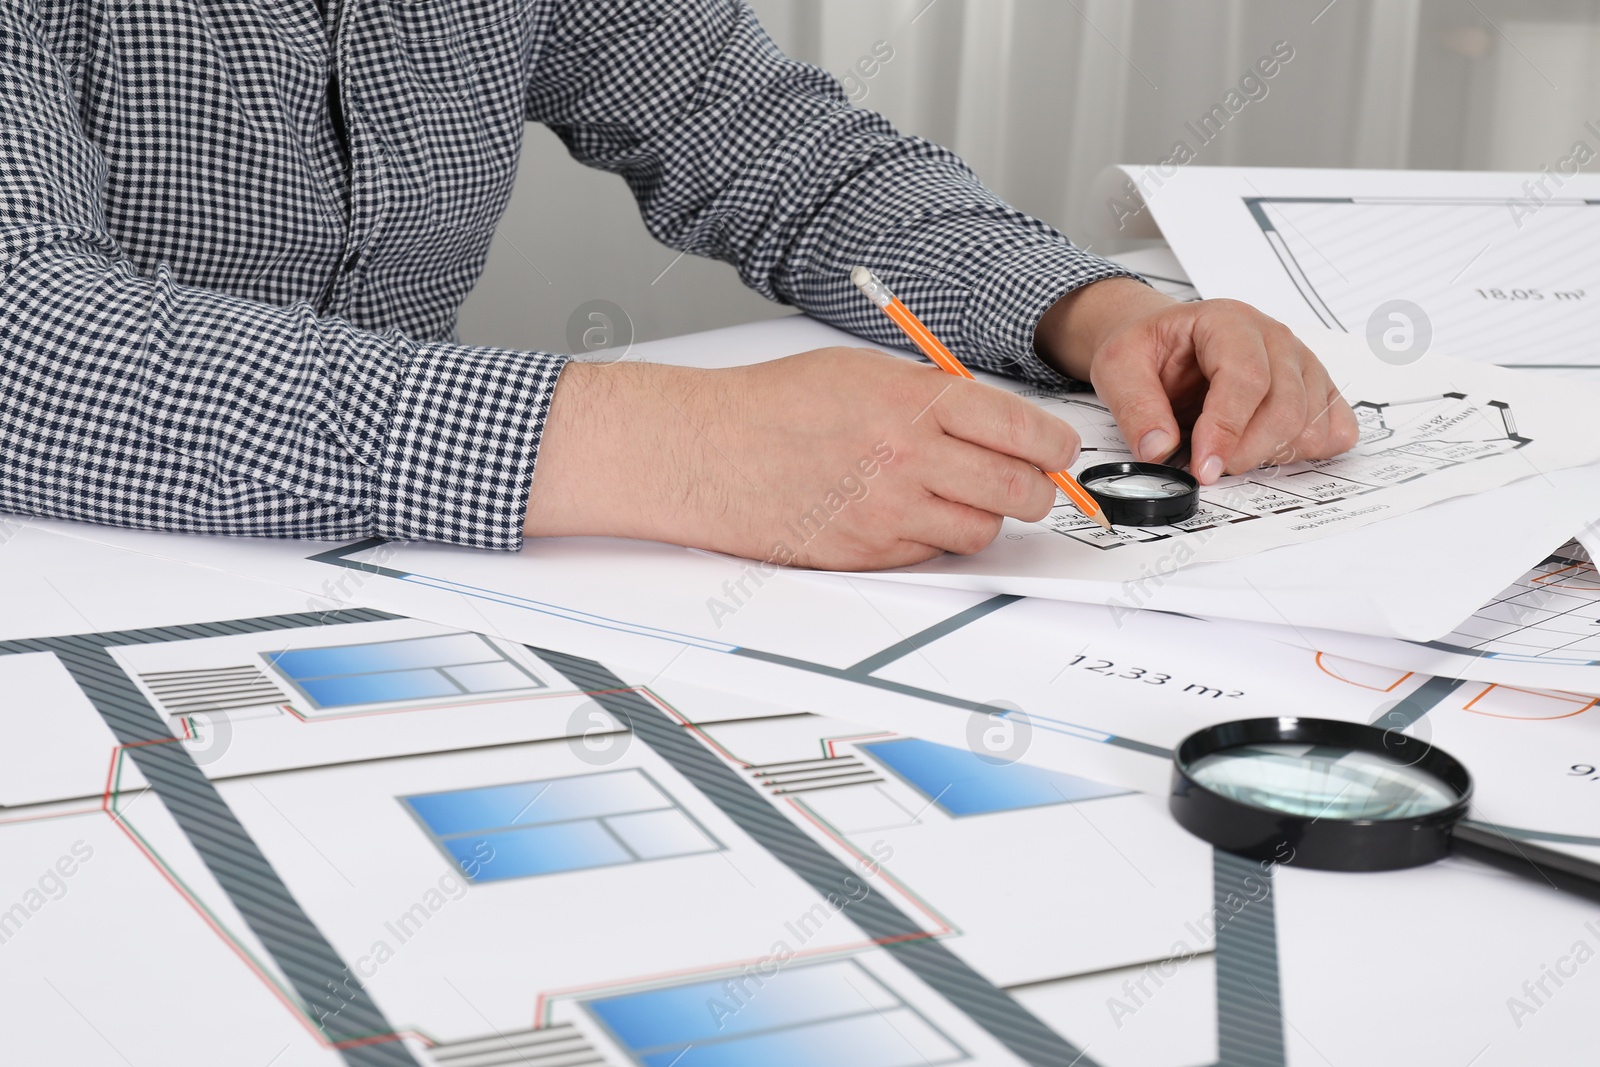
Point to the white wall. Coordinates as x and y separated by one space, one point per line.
1039 95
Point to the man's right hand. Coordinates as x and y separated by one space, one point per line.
840 458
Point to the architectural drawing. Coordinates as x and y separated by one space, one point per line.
1033 559
1401 442
1521 290
1471 265
483 901
549 861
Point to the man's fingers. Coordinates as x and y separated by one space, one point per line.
1001 422
1332 430
1235 359
1130 384
999 484
1344 432
1282 416
1313 439
951 526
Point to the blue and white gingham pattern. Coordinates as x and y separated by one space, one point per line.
218 316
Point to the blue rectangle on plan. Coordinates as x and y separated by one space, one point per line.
418 668
443 651
522 829
964 783
834 1013
533 850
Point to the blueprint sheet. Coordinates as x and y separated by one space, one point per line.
343 835
1500 267
335 834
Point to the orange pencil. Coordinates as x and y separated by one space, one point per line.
879 294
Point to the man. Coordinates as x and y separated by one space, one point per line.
234 237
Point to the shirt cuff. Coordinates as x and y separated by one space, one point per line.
464 431
1005 307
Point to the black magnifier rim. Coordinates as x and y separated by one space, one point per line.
1151 511
1321 843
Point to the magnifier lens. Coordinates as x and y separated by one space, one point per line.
1142 494
1322 782
1139 487
1331 795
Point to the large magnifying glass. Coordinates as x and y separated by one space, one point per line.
1344 796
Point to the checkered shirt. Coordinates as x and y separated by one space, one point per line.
234 237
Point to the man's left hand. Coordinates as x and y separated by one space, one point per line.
1249 389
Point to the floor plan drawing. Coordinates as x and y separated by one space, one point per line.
1429 430
1525 294
370 838
1467 264
438 846
1401 441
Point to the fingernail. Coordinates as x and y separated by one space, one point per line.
1210 470
1155 445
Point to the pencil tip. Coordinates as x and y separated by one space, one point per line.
1104 522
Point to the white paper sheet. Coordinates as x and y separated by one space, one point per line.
1503 267
1160 267
1589 538
1079 896
1414 577
1542 631
677 850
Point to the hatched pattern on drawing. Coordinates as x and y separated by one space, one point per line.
810 775
200 692
551 1046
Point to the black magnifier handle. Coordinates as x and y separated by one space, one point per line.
1487 843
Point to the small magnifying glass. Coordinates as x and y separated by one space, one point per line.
1142 494
1344 796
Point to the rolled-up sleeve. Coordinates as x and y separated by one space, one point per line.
129 399
735 151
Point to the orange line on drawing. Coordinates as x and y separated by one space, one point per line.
1331 673
1558 695
1589 584
50 815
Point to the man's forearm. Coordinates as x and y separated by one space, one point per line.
620 450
